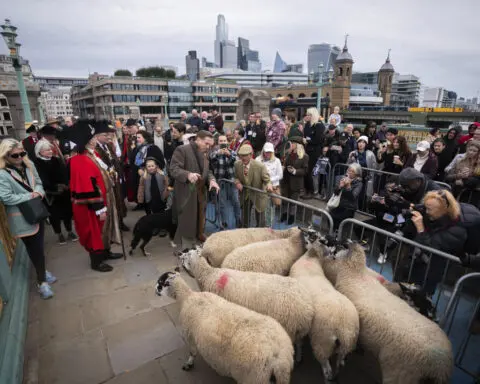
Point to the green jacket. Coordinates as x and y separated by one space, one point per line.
259 178
12 194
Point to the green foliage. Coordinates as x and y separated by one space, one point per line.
158 72
122 72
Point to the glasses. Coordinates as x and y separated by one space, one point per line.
17 155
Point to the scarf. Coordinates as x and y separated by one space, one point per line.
420 162
141 155
154 181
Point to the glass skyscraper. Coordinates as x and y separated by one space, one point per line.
321 53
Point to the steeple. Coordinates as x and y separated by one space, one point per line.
387 66
344 56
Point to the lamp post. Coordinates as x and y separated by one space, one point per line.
9 35
320 85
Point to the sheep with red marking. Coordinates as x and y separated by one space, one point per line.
335 325
409 347
273 256
235 341
220 244
280 297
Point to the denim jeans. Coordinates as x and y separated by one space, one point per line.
229 195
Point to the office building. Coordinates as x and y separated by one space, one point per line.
406 91
365 77
46 82
255 79
279 65
294 68
321 54
13 120
229 54
193 66
56 102
121 97
207 64
221 36
248 59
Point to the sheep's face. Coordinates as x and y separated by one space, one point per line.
351 253
189 258
164 284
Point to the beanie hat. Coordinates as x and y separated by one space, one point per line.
277 111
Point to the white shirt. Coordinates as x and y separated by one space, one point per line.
274 170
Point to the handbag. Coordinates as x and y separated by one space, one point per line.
33 210
334 201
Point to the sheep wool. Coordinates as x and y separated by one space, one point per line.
220 244
279 297
236 342
273 256
335 323
409 347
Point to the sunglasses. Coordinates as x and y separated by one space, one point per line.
17 155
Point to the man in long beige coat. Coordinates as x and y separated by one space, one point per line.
249 172
190 169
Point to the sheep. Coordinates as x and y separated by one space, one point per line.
273 256
409 347
235 341
220 244
279 297
335 323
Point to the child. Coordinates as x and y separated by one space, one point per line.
320 175
153 187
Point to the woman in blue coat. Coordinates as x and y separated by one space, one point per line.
19 182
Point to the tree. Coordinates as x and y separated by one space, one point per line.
122 72
158 72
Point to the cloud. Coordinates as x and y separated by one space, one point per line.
433 40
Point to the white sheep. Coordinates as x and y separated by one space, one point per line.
279 297
273 256
220 244
335 323
409 347
235 341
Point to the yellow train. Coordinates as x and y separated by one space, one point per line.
425 109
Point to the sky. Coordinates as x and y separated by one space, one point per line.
435 40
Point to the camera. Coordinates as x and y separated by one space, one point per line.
407 213
394 199
223 146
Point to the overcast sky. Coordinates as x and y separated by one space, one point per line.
435 40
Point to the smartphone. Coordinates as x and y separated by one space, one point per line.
223 146
377 198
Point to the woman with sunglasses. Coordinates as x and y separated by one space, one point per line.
449 226
19 182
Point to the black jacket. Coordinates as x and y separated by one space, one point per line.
443 159
315 136
197 121
337 157
349 199
256 135
454 237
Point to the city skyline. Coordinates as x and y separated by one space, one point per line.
146 33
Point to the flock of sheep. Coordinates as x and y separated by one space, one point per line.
263 291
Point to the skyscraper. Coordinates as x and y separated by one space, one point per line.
325 54
220 37
279 65
247 59
193 66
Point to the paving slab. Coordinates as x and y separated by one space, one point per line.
83 360
141 338
149 373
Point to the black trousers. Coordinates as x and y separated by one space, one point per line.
35 250
57 227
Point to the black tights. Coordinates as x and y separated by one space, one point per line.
35 250
57 227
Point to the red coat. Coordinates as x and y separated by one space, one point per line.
88 195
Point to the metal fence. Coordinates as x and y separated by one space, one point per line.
436 272
258 208
374 182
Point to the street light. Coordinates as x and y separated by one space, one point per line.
320 85
9 35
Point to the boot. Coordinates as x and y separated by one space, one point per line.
108 255
97 264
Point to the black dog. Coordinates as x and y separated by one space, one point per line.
149 225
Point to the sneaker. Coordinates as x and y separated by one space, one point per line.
72 236
45 291
61 239
50 279
382 258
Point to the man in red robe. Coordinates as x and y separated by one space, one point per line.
94 209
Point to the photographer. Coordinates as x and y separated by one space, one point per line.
447 225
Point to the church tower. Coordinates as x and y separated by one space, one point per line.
342 78
385 80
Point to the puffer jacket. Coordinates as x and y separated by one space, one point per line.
349 199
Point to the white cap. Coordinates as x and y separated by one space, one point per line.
364 138
423 146
268 147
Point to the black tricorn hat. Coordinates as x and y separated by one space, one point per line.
131 122
103 126
31 128
81 133
48 130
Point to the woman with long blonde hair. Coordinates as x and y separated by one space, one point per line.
448 225
314 137
465 171
19 183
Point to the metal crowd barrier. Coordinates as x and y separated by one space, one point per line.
272 215
437 272
374 181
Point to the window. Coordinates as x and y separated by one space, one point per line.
6 116
348 71
301 95
340 71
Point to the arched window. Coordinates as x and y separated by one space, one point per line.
340 71
314 94
301 95
290 96
348 71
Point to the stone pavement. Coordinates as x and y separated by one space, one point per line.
112 328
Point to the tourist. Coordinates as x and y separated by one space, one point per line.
158 139
19 183
93 199
183 117
255 133
153 187
424 160
471 130
464 171
450 140
238 138
190 169
314 137
195 119
394 156
49 133
357 132
320 175
380 136
351 141
54 176
336 116
275 171
443 158
362 155
338 151
433 134
371 133
391 134
276 129
205 122
254 174
217 119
